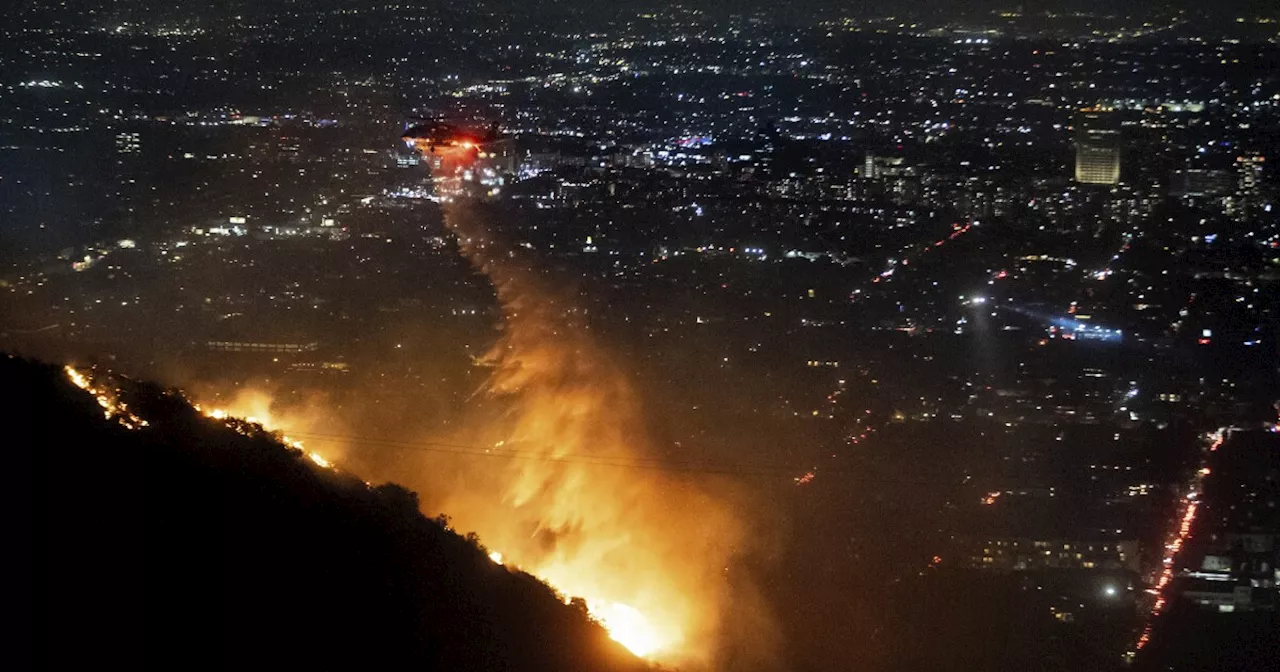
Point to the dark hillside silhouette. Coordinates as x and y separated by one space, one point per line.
186 545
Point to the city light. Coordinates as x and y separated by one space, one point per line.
720 324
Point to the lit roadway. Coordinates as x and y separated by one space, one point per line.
1180 530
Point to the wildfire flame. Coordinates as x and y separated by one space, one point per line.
646 551
108 399
624 623
628 627
245 423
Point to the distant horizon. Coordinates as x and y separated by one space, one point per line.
799 8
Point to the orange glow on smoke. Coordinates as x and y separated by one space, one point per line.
255 408
625 624
646 549
604 569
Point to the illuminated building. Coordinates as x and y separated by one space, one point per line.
1097 149
1248 183
274 348
894 177
1201 183
128 143
499 156
883 166
1025 553
1250 173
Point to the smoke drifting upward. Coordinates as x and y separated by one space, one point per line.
648 549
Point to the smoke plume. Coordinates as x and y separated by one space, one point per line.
644 546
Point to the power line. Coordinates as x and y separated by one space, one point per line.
504 450
744 469
508 453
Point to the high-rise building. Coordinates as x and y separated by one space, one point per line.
1250 172
877 167
1097 148
1245 201
128 143
1201 183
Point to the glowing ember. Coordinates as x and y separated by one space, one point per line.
77 378
251 424
496 557
109 400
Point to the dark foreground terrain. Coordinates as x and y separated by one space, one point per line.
187 545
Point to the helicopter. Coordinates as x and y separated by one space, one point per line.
435 135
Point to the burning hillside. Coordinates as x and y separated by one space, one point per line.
577 497
210 542
646 549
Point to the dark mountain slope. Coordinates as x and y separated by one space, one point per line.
186 545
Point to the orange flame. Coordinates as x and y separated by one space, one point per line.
647 551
